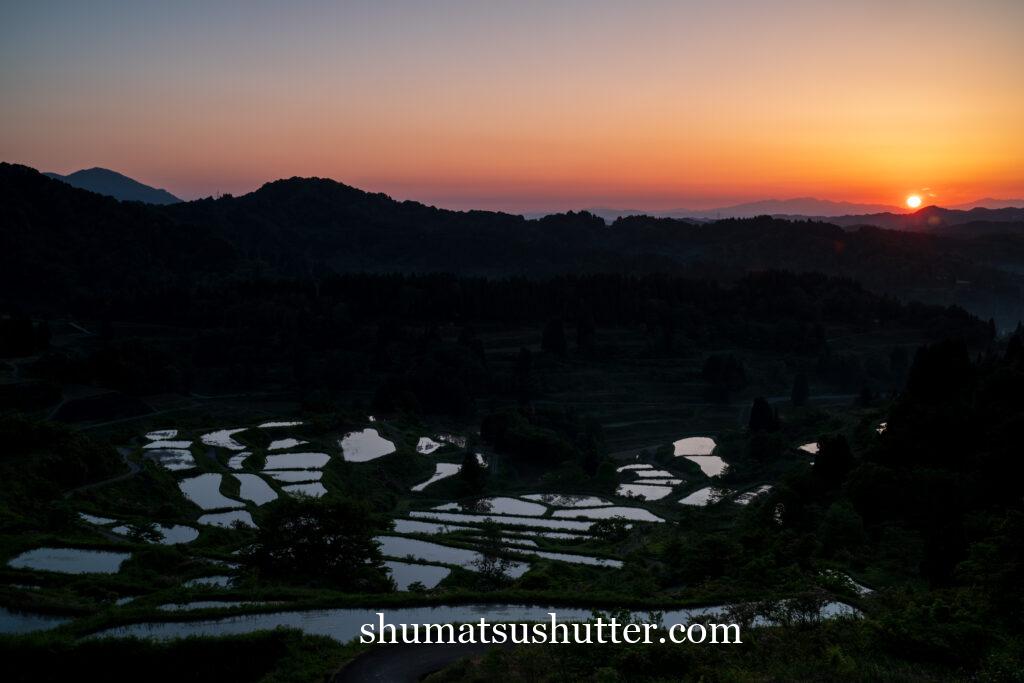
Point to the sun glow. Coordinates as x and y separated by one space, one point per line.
914 201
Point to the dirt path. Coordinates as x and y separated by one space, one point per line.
133 469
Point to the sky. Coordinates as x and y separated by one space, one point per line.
526 105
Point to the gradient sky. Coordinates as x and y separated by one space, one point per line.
530 105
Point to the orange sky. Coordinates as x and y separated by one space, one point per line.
532 106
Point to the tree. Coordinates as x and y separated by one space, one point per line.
801 391
492 565
763 417
140 532
328 544
833 461
473 474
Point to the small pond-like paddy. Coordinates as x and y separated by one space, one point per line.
222 439
426 445
173 459
254 489
175 534
13 623
284 444
365 445
643 491
503 520
295 475
694 445
399 547
343 624
560 500
228 519
204 491
701 497
311 490
507 506
628 513
442 470
70 561
710 465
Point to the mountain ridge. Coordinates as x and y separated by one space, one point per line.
113 184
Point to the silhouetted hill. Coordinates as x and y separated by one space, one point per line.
113 184
990 203
72 241
933 219
58 242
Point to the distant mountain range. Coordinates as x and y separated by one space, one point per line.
798 206
113 184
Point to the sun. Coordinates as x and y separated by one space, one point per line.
914 201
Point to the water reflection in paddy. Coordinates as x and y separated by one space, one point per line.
643 491
296 461
343 624
173 459
312 490
222 439
560 500
653 473
167 444
710 465
442 470
365 445
204 491
254 489
413 526
235 461
508 506
704 496
167 535
282 444
296 475
426 445
162 434
504 520
70 561
12 623
632 514
219 581
747 497
400 547
207 604
228 519
93 519
694 445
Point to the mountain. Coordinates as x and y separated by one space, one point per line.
990 203
113 184
935 219
796 207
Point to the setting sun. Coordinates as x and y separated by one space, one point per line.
914 201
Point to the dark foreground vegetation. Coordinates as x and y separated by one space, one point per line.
558 363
